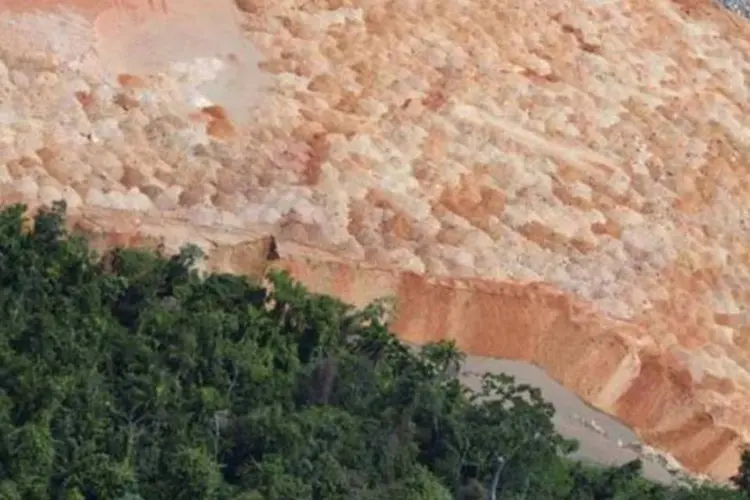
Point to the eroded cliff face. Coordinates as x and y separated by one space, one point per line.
559 182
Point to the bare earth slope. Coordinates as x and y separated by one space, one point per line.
562 183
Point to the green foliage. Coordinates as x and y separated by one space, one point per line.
131 377
742 478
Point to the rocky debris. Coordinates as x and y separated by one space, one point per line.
556 183
666 460
591 424
649 453
741 7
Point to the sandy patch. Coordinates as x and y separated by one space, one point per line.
199 44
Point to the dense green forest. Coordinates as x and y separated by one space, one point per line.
129 376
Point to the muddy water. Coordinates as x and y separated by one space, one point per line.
571 414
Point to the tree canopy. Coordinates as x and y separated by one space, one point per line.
130 376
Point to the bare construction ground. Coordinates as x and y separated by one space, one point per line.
507 141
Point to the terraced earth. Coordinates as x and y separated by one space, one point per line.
560 183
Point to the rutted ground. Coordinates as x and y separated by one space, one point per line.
597 148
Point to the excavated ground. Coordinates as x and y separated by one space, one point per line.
562 183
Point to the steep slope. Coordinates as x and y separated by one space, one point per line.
558 182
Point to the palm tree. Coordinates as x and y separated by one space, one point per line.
445 357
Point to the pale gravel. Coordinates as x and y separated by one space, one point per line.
64 33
